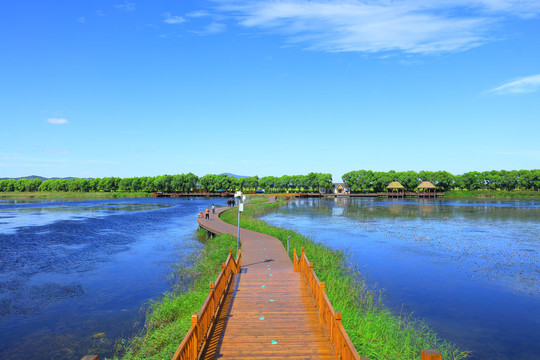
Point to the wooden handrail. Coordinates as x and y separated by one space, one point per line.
202 322
331 318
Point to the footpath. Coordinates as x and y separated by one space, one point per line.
268 312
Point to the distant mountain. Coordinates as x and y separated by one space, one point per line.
37 177
236 176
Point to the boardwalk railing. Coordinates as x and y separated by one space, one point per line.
331 318
202 322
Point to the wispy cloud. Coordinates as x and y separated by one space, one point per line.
171 19
212 28
57 121
126 6
58 151
519 86
81 20
198 14
409 26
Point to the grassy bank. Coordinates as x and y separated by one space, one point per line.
168 319
375 331
73 194
524 194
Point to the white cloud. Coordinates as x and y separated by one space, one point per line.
410 26
57 121
171 19
198 14
81 20
126 6
519 86
213 28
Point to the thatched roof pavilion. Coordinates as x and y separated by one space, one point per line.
427 189
426 185
394 185
396 189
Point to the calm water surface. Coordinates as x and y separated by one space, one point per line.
470 268
72 269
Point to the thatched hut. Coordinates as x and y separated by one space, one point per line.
396 189
427 188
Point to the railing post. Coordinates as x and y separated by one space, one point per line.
321 302
310 272
295 262
213 301
338 322
431 355
194 320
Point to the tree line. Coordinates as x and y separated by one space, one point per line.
358 181
374 181
183 183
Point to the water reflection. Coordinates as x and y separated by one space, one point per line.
471 268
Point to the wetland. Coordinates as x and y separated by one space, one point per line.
75 276
469 268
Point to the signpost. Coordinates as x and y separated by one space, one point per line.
241 199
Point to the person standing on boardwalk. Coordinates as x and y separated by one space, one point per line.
207 216
213 209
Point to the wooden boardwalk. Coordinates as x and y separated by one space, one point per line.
268 312
262 306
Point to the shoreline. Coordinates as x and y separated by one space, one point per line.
73 195
451 194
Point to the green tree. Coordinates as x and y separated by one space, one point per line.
323 181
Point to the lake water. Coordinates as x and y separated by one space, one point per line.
470 268
71 270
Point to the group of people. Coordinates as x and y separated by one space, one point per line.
230 203
207 212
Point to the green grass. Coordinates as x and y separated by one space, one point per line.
73 194
257 199
168 319
492 194
375 331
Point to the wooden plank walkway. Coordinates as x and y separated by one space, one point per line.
268 312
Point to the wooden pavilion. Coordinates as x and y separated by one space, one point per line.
427 188
397 190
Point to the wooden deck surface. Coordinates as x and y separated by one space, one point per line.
268 311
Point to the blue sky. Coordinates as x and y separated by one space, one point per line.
130 88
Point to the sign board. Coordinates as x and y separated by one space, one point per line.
241 207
